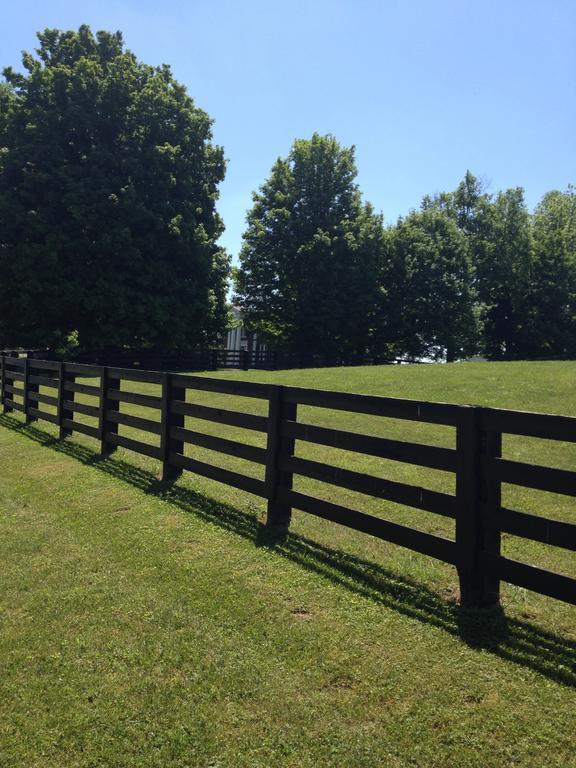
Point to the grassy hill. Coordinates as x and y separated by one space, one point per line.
147 627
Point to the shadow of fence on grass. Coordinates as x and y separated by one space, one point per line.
521 642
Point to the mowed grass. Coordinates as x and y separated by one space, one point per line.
149 626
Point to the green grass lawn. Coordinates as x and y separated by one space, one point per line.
145 626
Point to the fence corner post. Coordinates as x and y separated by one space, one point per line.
169 420
64 413
279 448
472 529
2 377
5 407
106 426
28 388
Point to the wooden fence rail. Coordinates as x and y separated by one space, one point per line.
476 462
210 359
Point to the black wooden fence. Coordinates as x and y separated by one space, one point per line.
476 461
208 359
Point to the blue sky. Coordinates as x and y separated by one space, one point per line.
423 89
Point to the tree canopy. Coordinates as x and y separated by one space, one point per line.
554 293
498 239
109 232
468 273
310 260
428 296
108 184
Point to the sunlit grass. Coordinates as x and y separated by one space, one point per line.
141 628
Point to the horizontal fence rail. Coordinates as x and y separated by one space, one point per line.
210 359
475 464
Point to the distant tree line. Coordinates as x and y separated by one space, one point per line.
467 273
109 232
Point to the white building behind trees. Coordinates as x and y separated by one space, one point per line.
239 338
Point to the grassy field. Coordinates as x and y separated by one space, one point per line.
145 626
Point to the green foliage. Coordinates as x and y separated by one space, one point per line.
470 272
309 265
555 274
109 232
68 346
505 278
523 267
429 300
108 183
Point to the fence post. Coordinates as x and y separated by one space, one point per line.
31 387
6 408
471 523
490 503
467 513
106 405
169 419
2 377
63 396
27 389
278 447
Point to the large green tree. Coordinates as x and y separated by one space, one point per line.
497 230
505 279
310 261
554 231
429 301
108 184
